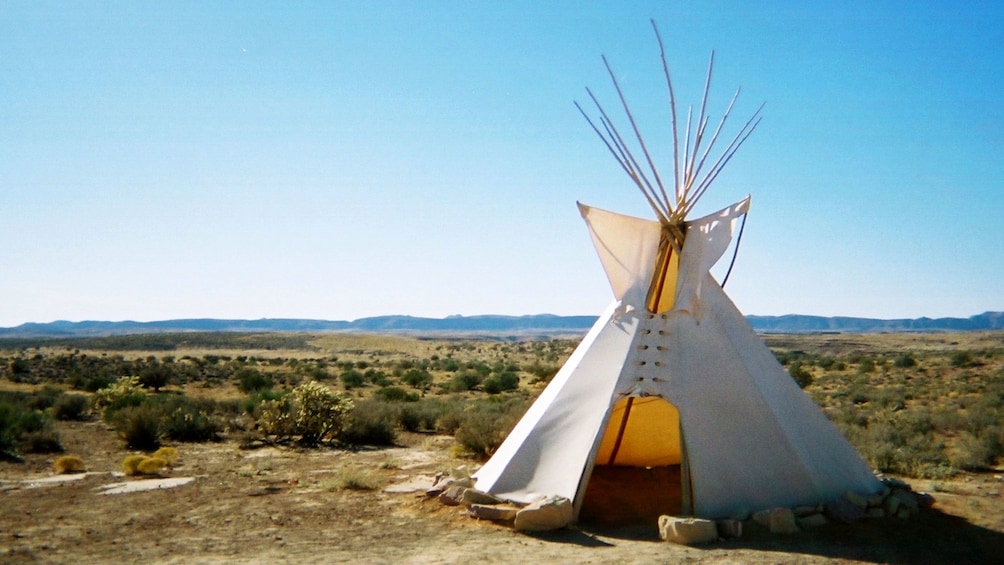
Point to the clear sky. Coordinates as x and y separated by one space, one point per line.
337 160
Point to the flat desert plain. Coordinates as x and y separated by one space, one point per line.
233 502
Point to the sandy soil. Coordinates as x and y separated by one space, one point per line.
287 505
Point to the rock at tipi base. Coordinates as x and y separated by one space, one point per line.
497 512
687 531
546 514
842 511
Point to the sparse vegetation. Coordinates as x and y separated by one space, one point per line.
920 406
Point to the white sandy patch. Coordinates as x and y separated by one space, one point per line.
413 484
144 484
55 480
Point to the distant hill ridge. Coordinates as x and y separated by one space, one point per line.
489 324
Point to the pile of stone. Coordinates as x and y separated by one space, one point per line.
896 499
544 514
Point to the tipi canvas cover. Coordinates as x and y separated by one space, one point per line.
671 379
700 389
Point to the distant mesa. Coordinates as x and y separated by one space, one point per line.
486 325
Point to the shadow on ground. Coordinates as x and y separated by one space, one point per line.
930 537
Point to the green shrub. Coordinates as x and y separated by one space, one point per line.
71 407
189 419
542 373
866 365
379 378
484 425
45 398
124 393
801 376
311 413
962 359
904 361
396 394
249 380
972 452
417 378
95 383
45 440
463 382
254 400
155 376
352 379
420 416
501 383
371 422
141 427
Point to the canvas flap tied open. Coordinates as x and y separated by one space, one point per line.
628 248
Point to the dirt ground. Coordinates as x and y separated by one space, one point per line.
289 505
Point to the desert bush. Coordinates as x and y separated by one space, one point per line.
141 427
311 413
125 392
417 378
420 416
501 382
352 379
250 380
371 422
542 373
962 359
396 394
45 440
801 376
189 419
71 407
485 424
450 419
253 402
866 365
44 398
69 464
23 429
155 376
9 433
379 378
463 382
904 361
972 452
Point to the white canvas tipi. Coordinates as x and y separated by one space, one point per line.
672 382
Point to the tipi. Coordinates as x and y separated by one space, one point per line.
671 392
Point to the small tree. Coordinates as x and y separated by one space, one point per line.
311 413
417 378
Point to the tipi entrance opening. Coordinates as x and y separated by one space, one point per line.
637 474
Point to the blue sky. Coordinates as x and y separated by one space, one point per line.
349 159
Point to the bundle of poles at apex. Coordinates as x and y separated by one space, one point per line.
690 179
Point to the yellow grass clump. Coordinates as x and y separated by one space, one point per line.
169 454
151 466
130 466
69 464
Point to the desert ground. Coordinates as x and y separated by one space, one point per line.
265 503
